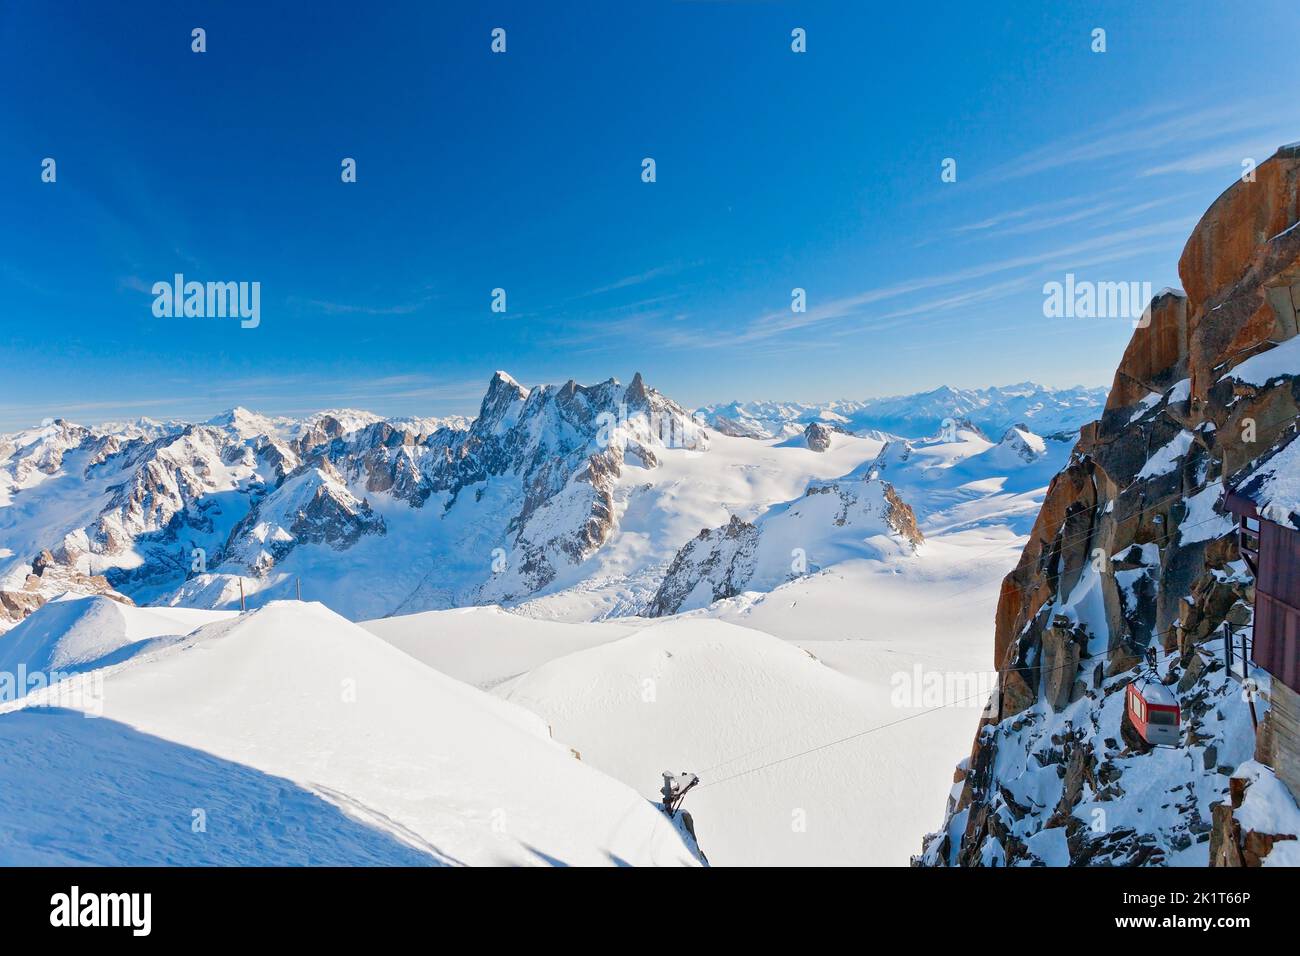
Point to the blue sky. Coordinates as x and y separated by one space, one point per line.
775 170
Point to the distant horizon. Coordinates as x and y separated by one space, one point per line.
867 216
7 426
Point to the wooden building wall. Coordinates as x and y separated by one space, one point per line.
1277 604
1281 749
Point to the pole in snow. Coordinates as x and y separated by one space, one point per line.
298 584
675 788
1247 689
241 595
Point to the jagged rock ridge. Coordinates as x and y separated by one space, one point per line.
177 512
1131 549
851 517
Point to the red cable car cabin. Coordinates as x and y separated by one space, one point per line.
1153 711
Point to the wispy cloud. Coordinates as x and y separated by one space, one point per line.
134 283
1138 133
1074 255
1227 158
1020 213
346 308
639 279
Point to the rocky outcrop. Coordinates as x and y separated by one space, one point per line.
567 446
314 506
835 520
717 562
900 517
1131 548
48 580
1171 393
1021 445
817 436
1245 837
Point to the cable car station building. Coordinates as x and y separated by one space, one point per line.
1266 503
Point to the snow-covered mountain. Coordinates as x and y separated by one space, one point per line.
570 501
1047 411
431 513
851 536
568 505
772 710
848 518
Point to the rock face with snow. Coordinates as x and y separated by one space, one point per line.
833 521
1132 550
817 436
47 580
179 513
1019 442
564 448
717 564
312 506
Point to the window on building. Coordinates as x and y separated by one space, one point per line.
1165 718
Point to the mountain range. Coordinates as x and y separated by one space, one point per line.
1047 411
857 559
569 488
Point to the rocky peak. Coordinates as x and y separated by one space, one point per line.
817 436
1156 356
1023 444
243 491
1241 272
568 446
715 564
503 396
636 391
965 424
321 430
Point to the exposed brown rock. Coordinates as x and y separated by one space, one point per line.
1229 844
901 517
1241 272
1156 356
49 579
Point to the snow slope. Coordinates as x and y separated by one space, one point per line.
726 702
844 648
294 691
77 634
881 630
857 624
484 646
81 792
